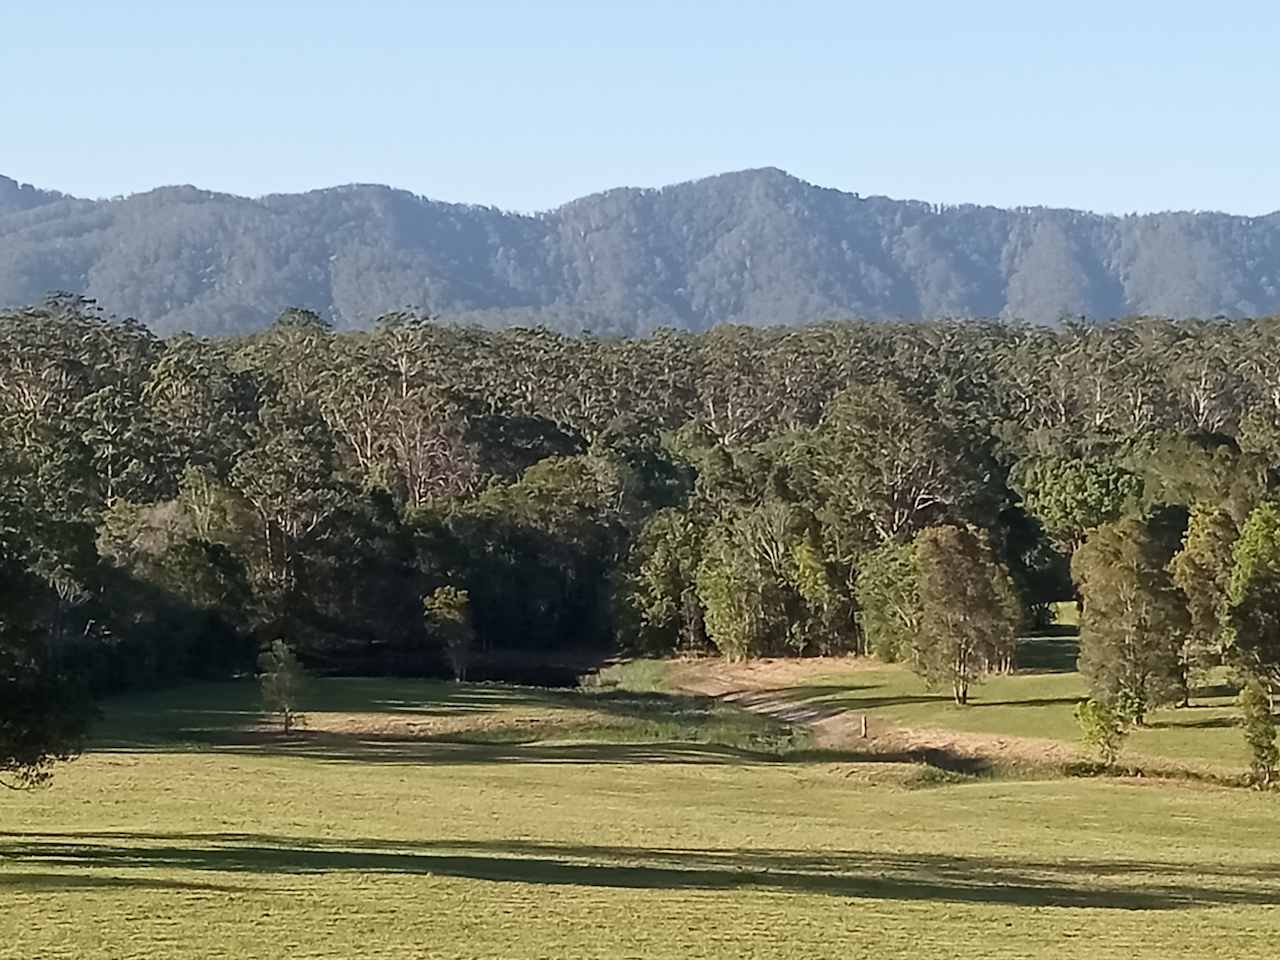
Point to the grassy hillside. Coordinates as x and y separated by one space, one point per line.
1039 705
514 823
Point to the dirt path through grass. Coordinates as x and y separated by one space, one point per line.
777 689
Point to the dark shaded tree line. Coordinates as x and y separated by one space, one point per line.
424 498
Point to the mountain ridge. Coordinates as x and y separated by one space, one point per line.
765 171
756 246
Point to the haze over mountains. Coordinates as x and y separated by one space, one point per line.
757 247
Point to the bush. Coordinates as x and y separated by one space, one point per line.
1103 728
448 616
281 678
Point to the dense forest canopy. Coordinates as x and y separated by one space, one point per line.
421 498
757 247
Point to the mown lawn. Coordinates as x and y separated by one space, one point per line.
167 842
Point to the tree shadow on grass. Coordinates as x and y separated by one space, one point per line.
718 732
385 748
391 749
1214 691
1119 885
836 700
1209 723
657 727
54 882
1035 702
204 712
1047 653
202 724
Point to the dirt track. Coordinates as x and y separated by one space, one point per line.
761 686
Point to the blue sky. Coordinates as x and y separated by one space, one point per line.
1117 106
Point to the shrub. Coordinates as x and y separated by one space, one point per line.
1103 728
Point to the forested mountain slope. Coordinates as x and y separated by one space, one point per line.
756 247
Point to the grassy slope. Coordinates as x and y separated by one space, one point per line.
1031 705
612 844
1038 701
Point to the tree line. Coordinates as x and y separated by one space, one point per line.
423 498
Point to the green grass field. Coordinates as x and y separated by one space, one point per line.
1037 703
419 820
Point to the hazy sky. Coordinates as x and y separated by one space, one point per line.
1113 106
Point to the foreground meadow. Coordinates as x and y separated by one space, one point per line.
415 820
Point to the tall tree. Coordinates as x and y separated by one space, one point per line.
1072 496
657 594
287 476
1259 731
1252 616
1202 571
888 595
968 621
890 460
1135 619
44 709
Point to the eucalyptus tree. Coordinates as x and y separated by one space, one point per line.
1035 382
734 401
69 404
1148 350
395 428
799 371
287 476
580 385
200 405
892 462
1094 360
969 611
289 359
1259 366
1204 376
1135 619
